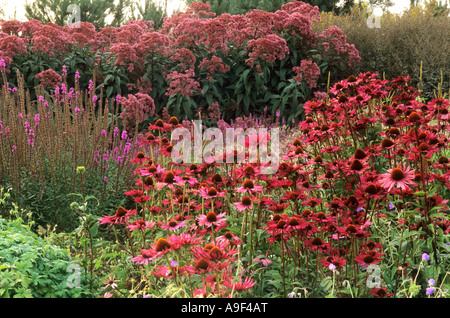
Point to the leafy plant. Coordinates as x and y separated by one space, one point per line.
31 267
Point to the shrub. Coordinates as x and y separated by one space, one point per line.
415 43
242 62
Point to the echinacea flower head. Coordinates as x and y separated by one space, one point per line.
202 265
246 203
161 126
110 282
366 258
212 219
250 187
380 292
173 225
245 284
162 245
398 177
120 217
210 193
141 224
140 158
145 257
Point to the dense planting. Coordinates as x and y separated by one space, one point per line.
363 185
241 62
90 124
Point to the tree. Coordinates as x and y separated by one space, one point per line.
92 11
149 11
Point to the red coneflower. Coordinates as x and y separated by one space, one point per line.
212 219
182 180
141 224
150 170
183 239
167 179
140 158
250 187
173 225
387 143
174 122
239 285
337 261
368 257
145 257
246 203
210 193
230 238
166 150
202 265
149 139
380 292
356 166
120 217
317 243
160 125
399 177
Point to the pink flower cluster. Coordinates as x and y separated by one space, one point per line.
213 65
269 49
135 110
49 78
182 83
308 71
334 41
11 45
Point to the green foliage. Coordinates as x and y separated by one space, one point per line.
31 267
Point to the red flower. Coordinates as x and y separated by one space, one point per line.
381 292
368 257
402 178
120 217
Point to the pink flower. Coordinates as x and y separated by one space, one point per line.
182 83
245 204
250 187
136 108
210 193
120 217
173 225
268 49
264 261
212 219
49 78
140 224
308 71
145 257
240 285
398 177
